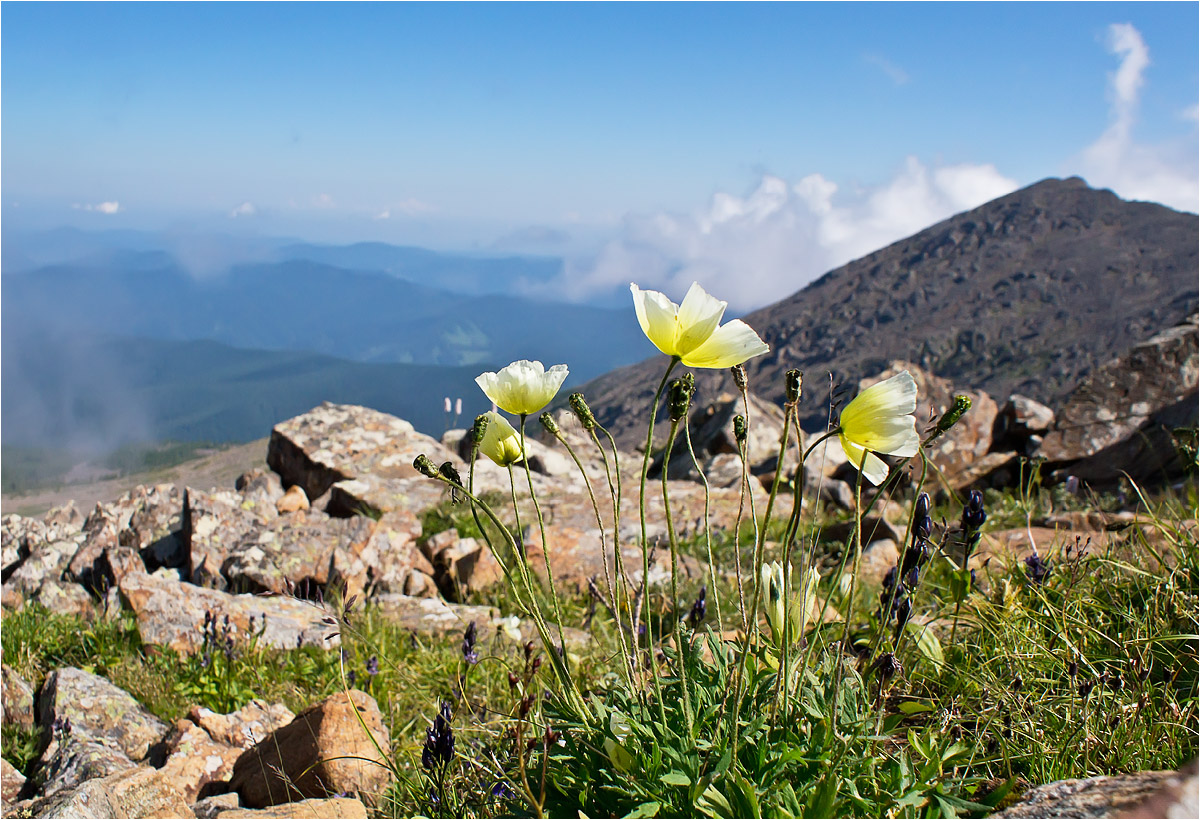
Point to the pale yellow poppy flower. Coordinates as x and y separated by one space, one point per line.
693 330
880 420
524 387
501 442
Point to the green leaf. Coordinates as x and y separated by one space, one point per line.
646 810
915 707
927 642
676 779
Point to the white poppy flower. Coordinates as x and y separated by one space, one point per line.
524 387
880 420
501 443
693 330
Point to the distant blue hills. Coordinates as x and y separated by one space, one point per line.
110 337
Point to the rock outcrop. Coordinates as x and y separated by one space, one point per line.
323 752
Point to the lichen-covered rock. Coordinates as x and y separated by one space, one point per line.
1021 425
44 560
11 783
17 708
261 487
432 616
98 710
331 808
324 751
335 442
141 792
245 727
1149 455
392 559
294 500
170 613
213 523
71 760
1120 397
194 760
212 806
295 549
1106 796
64 598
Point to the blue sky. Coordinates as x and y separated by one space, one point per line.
657 137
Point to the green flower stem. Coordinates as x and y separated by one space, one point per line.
537 508
570 690
846 617
671 539
789 540
744 492
712 567
759 544
613 602
645 594
615 491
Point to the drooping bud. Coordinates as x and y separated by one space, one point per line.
950 418
549 424
581 410
739 376
479 429
739 428
448 471
679 397
793 382
425 467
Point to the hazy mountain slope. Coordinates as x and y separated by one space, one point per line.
1026 293
308 306
454 272
80 392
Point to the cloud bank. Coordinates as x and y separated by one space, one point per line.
1165 172
99 207
755 249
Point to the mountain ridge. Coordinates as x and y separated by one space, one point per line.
1027 293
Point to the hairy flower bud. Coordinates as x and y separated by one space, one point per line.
739 376
479 429
549 424
679 397
425 467
950 418
793 382
739 428
581 410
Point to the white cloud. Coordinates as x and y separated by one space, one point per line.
1166 172
755 249
412 206
100 207
897 74
245 209
322 201
384 214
